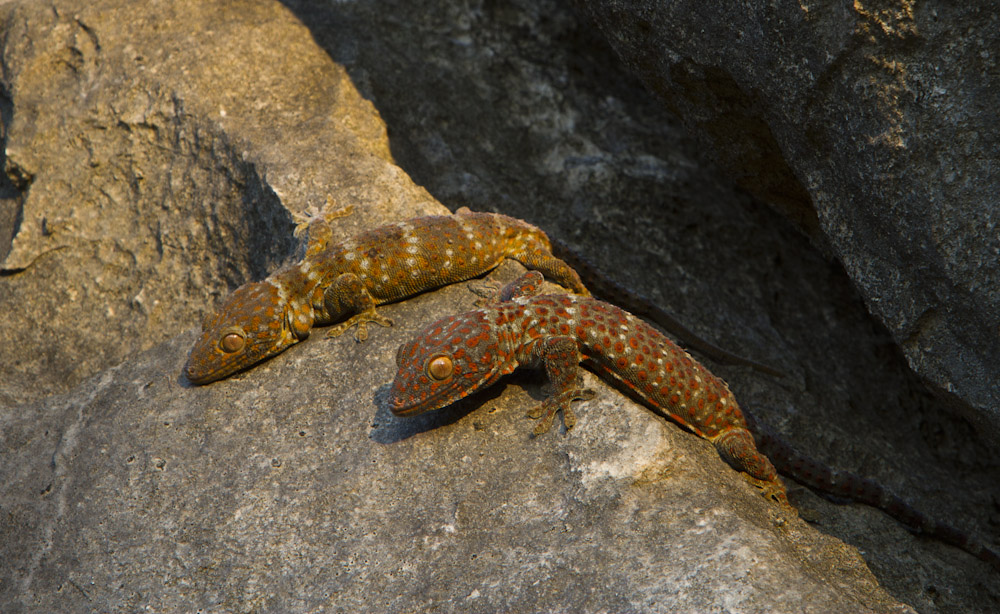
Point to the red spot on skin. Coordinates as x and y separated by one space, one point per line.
674 399
669 366
619 346
581 332
642 374
694 384
598 348
638 360
687 395
633 342
622 363
542 311
709 420
701 402
553 320
712 397
606 341
564 329
645 350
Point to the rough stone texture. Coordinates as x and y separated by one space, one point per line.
286 490
290 487
873 124
133 161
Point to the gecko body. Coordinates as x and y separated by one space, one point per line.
349 279
458 355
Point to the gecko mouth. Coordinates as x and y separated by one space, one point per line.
400 406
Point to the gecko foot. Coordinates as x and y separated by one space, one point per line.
773 490
360 320
314 214
487 291
548 409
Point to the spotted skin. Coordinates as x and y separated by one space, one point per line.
350 279
458 355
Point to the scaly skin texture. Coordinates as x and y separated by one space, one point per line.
458 355
351 278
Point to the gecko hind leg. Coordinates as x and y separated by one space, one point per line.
772 490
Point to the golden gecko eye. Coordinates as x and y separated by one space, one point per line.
232 342
440 367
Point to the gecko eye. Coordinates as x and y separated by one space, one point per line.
232 342
440 367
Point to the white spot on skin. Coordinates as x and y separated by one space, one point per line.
449 253
447 264
385 279
350 255
412 239
413 249
411 262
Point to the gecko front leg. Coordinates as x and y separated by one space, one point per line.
561 357
348 294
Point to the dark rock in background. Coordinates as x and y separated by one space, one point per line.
874 126
290 487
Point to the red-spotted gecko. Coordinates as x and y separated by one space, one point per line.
349 279
458 355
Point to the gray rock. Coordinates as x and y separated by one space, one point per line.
290 487
873 126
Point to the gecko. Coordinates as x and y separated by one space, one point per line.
351 278
459 354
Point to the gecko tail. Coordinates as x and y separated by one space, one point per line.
845 485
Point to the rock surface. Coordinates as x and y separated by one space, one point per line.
290 487
872 124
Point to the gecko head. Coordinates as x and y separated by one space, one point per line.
449 360
250 326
